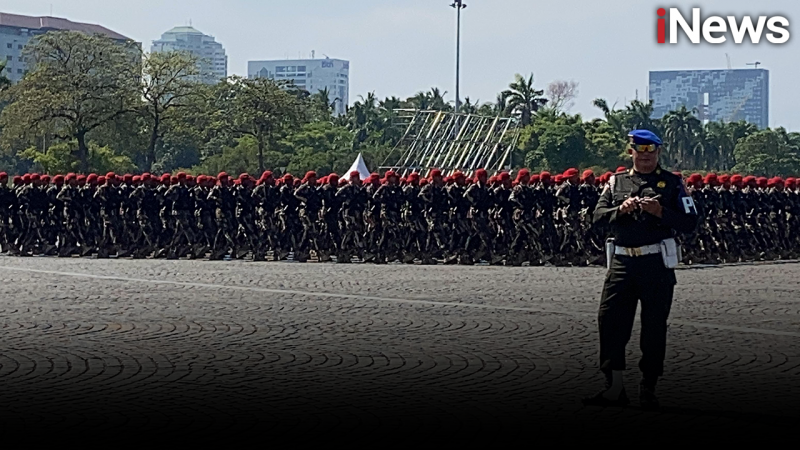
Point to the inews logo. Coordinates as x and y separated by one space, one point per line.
714 29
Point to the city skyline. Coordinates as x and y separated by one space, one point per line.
611 61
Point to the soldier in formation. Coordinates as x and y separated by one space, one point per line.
527 218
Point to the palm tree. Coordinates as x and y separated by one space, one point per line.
681 131
638 116
721 140
323 99
500 106
613 117
523 99
468 107
436 99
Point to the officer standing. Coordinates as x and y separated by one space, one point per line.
644 208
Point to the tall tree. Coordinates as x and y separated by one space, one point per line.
561 95
681 130
167 79
78 83
523 99
323 102
639 116
263 109
721 140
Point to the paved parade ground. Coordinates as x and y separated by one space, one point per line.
306 348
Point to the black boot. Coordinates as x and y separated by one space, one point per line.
647 395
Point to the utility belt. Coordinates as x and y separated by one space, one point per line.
668 248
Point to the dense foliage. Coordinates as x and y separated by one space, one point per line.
91 104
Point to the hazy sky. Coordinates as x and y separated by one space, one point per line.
401 47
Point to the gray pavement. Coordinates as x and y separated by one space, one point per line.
316 348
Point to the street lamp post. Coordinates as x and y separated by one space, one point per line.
458 5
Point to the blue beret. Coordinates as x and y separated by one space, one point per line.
644 137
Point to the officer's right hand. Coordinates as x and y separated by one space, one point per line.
628 205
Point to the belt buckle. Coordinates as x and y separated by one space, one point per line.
637 251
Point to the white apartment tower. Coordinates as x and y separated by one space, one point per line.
213 63
313 75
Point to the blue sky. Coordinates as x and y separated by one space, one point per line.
401 47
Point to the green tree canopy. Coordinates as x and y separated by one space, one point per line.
78 83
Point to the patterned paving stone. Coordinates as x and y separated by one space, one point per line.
317 348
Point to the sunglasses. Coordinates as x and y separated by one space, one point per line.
644 148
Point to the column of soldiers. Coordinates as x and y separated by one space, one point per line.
534 219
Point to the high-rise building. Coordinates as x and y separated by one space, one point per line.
718 95
212 61
313 75
16 31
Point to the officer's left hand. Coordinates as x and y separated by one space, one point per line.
652 206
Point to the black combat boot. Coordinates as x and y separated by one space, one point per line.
647 396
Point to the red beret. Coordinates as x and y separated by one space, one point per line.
101 180
504 176
621 169
3 176
127 178
110 176
481 173
222 176
58 179
436 173
137 178
571 172
45 179
355 174
587 173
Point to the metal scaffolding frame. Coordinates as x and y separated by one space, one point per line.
452 141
